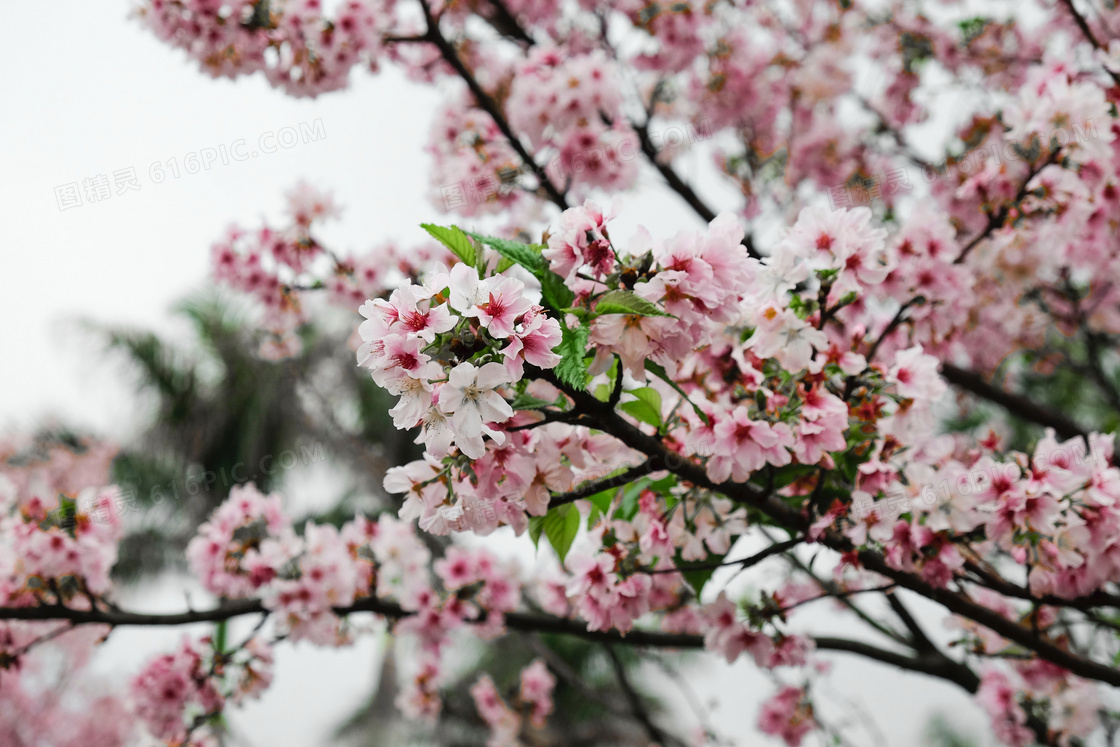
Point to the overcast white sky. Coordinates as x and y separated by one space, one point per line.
87 92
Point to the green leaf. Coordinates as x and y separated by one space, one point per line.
536 526
647 406
554 292
454 239
529 402
628 508
572 368
221 630
561 525
603 499
659 371
627 302
790 473
526 255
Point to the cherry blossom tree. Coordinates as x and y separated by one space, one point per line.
648 407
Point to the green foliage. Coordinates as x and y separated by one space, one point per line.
646 407
627 302
973 27
219 410
572 368
559 526
527 255
698 574
454 239
528 402
659 371
940 732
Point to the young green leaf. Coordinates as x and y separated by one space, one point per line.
454 239
561 525
647 406
659 371
572 369
554 292
536 526
697 578
526 255
627 302
529 402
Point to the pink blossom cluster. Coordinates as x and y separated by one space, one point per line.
457 401
277 267
294 43
1009 697
505 724
43 703
805 370
1053 511
249 548
787 715
176 694
52 550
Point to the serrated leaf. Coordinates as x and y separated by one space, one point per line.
627 302
536 526
561 525
659 371
529 402
526 255
554 291
572 369
647 406
454 239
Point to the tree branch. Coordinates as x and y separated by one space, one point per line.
487 103
798 521
1014 403
615 481
679 186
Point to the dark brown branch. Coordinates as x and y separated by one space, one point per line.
1088 32
614 481
895 321
918 637
679 186
998 219
520 621
1016 404
487 103
775 549
797 521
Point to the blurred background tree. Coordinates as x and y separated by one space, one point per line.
218 411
